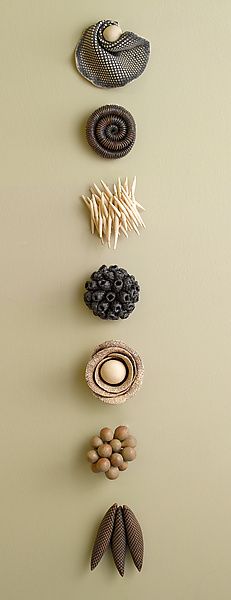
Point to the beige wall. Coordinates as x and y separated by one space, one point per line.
180 485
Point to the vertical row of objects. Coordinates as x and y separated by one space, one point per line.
109 58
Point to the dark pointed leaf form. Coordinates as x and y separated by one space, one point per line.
119 542
134 537
103 536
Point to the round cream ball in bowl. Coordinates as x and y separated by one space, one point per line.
113 371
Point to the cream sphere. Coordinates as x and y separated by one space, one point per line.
105 451
112 33
112 473
113 371
106 434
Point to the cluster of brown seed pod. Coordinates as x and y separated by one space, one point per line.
115 211
111 452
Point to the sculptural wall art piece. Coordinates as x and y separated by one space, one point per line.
109 58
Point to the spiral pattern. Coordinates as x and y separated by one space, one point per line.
111 131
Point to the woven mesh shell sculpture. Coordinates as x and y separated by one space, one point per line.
103 536
134 537
119 542
111 64
111 131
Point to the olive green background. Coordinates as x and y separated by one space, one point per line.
180 485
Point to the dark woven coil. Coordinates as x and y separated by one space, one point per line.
111 131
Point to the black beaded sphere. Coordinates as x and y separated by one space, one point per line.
111 293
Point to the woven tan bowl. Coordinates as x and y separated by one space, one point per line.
114 394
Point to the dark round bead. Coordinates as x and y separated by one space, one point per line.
116 307
103 306
110 296
104 284
125 297
97 296
128 284
118 284
113 316
91 285
87 297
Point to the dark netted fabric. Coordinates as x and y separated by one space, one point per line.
111 131
103 536
119 542
111 64
134 537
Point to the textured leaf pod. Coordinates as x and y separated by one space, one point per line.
103 536
134 537
119 542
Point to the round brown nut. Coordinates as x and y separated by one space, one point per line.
112 473
121 432
130 441
92 456
103 465
106 434
123 466
116 459
96 441
128 454
116 445
105 451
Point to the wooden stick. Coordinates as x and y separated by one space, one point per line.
133 188
92 219
109 227
97 189
109 193
105 210
100 223
115 209
123 230
95 209
86 202
119 188
126 184
116 227
124 221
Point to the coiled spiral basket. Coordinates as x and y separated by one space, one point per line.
111 131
